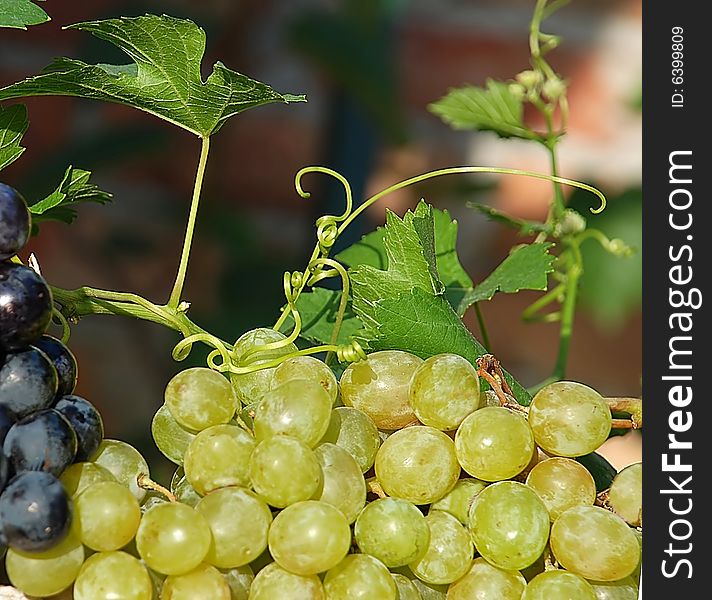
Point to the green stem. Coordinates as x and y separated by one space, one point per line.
530 313
568 311
483 328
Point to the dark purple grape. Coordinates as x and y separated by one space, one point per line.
26 307
86 422
35 512
63 361
14 222
28 382
43 441
6 421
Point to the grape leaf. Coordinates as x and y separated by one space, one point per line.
493 108
13 124
524 226
601 470
21 13
164 79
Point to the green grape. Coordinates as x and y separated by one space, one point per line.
125 463
239 522
406 588
486 582
379 387
299 408
509 525
45 573
562 483
626 494
594 543
636 572
392 530
202 583
106 516
79 476
360 577
354 431
173 538
417 464
444 390
449 553
569 419
558 585
239 581
183 491
113 576
427 591
273 582
494 443
623 589
344 486
171 439
309 537
458 500
284 470
309 368
218 457
249 387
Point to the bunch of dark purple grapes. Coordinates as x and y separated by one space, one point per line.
43 427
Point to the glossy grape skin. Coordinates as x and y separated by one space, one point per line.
239 522
309 368
309 537
594 543
28 382
26 309
199 398
170 438
484 581
626 494
494 443
86 422
343 484
79 476
417 464
239 580
458 500
558 585
14 222
623 589
509 525
45 573
379 387
360 577
113 576
444 390
42 441
202 583
562 483
63 360
569 419
275 582
124 462
354 431
406 588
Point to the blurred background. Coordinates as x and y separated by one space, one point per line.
369 68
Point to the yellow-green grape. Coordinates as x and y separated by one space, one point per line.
106 516
623 589
309 537
170 438
354 431
594 543
444 390
429 591
636 572
458 500
239 522
299 408
626 494
218 457
449 553
360 577
486 582
199 398
417 464
406 588
45 573
562 483
509 525
249 387
392 530
79 476
379 387
125 463
202 583
113 576
344 486
273 582
309 368
239 581
569 419
494 443
173 538
284 470
184 492
558 585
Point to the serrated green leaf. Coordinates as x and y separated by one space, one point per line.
13 124
493 108
19 14
525 268
524 226
164 79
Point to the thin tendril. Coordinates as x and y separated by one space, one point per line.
66 330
